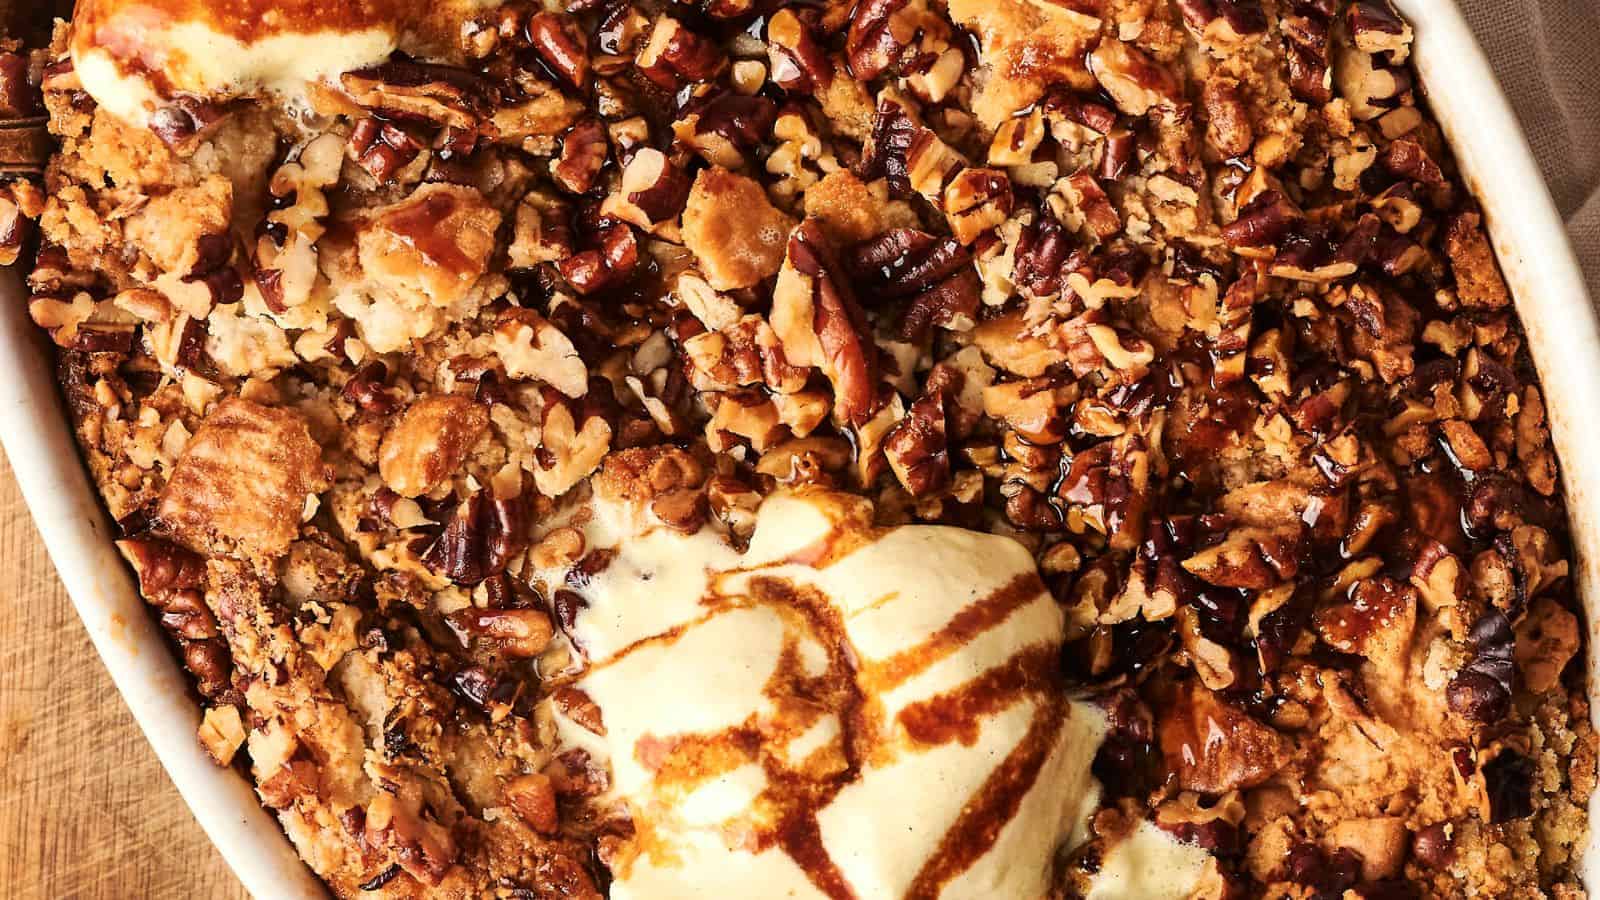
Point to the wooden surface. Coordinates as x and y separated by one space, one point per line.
85 809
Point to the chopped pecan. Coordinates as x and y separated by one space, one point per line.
543 231
383 148
172 580
533 798
1408 159
674 55
1377 28
443 94
1221 23
530 346
1378 615
727 129
422 847
1263 222
918 449
1305 35
1105 488
518 632
560 42
609 263
1481 691
799 62
879 31
1369 87
653 190
934 273
816 316
185 122
479 539
1092 204
906 152
1213 746
584 150
572 444
1250 558
222 733
976 201
1227 119
1134 81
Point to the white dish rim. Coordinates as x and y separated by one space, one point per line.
1529 236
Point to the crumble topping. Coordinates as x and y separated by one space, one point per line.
1186 300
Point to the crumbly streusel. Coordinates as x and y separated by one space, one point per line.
1185 296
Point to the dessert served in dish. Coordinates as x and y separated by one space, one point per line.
876 449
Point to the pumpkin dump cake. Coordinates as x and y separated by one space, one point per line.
876 449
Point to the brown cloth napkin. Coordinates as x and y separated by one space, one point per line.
1546 54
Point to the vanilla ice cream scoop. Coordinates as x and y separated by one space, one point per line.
134 56
839 711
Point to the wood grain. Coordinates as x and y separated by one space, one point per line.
85 809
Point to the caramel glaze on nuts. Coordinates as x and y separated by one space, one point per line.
1190 299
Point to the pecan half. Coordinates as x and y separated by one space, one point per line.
819 321
879 31
382 148
918 448
559 41
799 62
479 539
936 274
172 580
584 150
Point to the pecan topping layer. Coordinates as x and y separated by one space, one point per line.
1189 299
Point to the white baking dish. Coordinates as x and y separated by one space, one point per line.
1529 236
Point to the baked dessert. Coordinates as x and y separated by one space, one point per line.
894 448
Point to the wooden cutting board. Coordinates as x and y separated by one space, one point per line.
86 811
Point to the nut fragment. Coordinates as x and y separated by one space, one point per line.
221 733
1137 83
479 539
799 62
816 316
1214 747
530 346
917 447
521 633
382 148
560 43
534 799
584 150
673 55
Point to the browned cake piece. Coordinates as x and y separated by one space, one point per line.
1187 298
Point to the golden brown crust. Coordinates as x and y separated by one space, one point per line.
243 481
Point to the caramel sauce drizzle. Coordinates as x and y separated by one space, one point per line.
978 617
421 226
980 822
796 797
